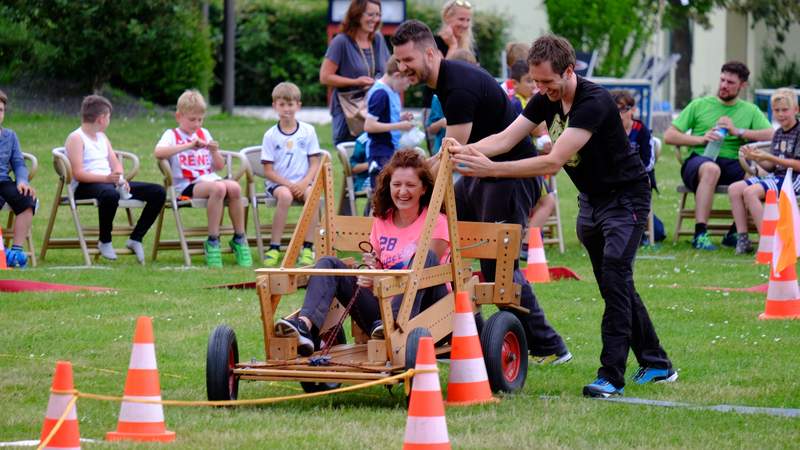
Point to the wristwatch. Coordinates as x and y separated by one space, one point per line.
740 132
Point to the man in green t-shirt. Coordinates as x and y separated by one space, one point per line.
705 117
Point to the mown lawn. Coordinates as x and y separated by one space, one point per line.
724 354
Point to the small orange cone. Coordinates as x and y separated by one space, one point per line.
3 265
426 427
68 436
783 295
142 421
536 272
768 225
468 383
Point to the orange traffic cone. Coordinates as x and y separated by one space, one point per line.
783 295
536 272
3 264
426 427
68 435
468 383
142 421
768 224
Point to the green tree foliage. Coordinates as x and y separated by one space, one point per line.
150 48
617 29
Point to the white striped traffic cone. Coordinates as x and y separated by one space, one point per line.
537 271
68 435
468 383
426 427
768 224
783 295
142 421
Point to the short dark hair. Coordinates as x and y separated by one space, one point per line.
3 98
518 70
94 106
552 48
416 32
737 68
623 97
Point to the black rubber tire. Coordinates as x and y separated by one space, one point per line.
505 351
412 344
312 386
221 358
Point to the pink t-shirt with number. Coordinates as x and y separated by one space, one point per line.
396 246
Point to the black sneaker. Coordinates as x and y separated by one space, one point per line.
743 245
377 331
294 327
730 239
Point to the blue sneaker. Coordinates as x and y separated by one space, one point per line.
16 258
703 242
652 375
601 388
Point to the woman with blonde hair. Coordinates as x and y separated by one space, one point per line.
456 30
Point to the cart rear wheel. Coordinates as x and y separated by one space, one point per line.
505 351
221 359
311 386
412 344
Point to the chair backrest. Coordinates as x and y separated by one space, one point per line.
344 150
253 156
33 163
61 164
655 143
130 163
229 157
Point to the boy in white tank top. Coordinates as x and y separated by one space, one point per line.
193 158
97 173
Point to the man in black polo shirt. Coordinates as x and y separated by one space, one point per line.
475 107
591 144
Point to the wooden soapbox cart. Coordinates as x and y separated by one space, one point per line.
502 336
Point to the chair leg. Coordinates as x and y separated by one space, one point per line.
679 222
51 221
157 239
187 259
257 224
81 237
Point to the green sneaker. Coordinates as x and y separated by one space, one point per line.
306 257
213 255
703 242
272 258
242 254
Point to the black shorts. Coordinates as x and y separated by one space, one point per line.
188 191
730 170
18 202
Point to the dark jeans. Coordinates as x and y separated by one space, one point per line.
509 201
323 289
611 230
108 200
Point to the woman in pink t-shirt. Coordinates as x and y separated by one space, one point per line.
400 204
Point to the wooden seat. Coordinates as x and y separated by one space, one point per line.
189 240
8 231
722 217
87 237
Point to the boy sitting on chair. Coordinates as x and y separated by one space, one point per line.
784 153
194 157
97 174
291 157
19 195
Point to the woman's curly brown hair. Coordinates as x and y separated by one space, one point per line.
382 202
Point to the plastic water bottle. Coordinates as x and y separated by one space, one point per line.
122 188
713 147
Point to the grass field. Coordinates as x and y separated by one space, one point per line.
723 353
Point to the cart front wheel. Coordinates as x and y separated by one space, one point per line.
221 359
505 352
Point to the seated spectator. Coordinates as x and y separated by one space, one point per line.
784 153
400 206
97 173
641 140
290 154
706 117
19 195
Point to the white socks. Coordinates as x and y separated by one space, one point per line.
107 250
137 248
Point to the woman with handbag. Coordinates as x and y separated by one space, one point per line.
354 59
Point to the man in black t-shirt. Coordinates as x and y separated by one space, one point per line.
475 107
591 145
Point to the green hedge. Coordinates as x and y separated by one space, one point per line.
150 48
